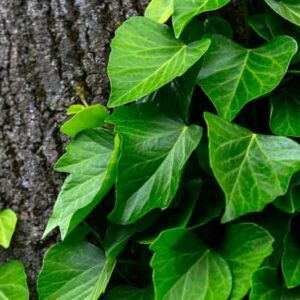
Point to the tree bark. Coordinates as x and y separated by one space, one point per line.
47 49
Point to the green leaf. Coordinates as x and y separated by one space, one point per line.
145 56
91 161
155 148
159 10
89 117
13 282
129 293
267 286
74 271
186 10
183 268
252 169
217 25
8 221
291 260
288 9
75 109
232 76
245 247
259 24
285 111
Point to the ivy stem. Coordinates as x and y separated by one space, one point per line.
81 94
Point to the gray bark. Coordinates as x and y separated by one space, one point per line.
47 49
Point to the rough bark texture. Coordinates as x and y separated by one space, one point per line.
47 49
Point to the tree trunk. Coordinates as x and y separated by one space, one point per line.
47 49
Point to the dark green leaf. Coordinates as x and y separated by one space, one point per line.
145 56
232 76
13 282
91 161
129 293
252 169
155 148
217 25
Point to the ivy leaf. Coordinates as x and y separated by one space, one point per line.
217 25
252 169
288 9
74 271
184 268
91 161
291 260
90 117
186 10
145 56
129 293
8 221
13 282
232 76
259 24
155 148
75 109
285 111
159 10
240 242
267 286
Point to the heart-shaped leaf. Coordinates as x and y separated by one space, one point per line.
8 221
266 285
288 9
252 169
74 271
184 268
13 281
240 242
186 10
145 56
91 161
155 148
285 111
159 10
232 76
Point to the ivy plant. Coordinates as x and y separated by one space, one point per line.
187 185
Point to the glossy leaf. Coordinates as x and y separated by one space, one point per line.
129 293
13 281
259 24
91 161
232 76
285 111
159 10
89 117
8 221
240 242
145 56
288 9
267 286
74 271
291 261
186 10
184 268
252 169
155 148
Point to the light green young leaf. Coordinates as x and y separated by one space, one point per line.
159 10
8 221
145 56
75 109
13 281
291 261
186 10
241 241
267 286
252 169
129 293
184 268
91 161
232 76
74 271
89 117
155 148
285 111
288 9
